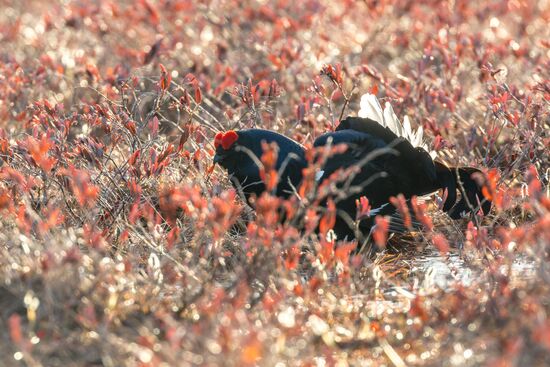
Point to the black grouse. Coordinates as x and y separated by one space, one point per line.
389 160
240 152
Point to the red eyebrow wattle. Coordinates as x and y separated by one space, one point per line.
218 140
226 140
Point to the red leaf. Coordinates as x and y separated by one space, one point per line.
134 212
165 78
152 11
198 94
172 237
6 201
441 243
39 152
343 251
134 157
130 126
251 352
85 192
329 218
14 323
183 138
374 89
401 204
154 126
22 220
124 236
541 334
292 258
269 159
327 251
419 210
380 234
363 207
417 308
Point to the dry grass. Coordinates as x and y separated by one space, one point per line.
118 246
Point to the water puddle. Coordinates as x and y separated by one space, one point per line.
444 272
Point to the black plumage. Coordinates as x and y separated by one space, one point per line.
399 168
386 165
241 159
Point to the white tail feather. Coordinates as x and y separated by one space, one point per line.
407 131
371 108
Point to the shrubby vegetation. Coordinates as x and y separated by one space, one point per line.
120 244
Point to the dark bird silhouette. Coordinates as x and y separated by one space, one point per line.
240 153
388 157
398 168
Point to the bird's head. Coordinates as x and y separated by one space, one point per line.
225 144
240 154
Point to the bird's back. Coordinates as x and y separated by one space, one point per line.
290 161
386 165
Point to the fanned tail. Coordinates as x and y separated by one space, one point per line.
430 175
372 110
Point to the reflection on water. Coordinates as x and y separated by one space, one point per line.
443 272
429 271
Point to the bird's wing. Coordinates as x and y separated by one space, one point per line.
415 159
378 170
383 172
358 146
